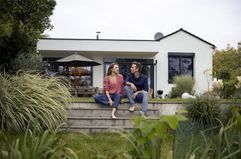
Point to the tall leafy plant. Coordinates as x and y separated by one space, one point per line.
225 144
204 110
34 146
148 136
182 84
27 98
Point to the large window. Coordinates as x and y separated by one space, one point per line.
179 64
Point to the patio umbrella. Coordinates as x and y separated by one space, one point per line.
76 60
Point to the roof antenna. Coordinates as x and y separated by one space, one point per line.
97 36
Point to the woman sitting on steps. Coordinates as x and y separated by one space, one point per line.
113 89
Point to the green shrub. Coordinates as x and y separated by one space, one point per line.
226 143
237 93
148 136
27 61
204 110
34 146
29 99
183 84
229 88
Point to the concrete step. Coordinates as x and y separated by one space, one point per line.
90 129
121 106
106 112
102 121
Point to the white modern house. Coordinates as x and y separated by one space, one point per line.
178 53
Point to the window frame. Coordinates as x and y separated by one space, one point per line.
180 55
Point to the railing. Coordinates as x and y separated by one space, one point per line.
87 91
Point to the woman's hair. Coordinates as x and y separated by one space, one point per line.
110 67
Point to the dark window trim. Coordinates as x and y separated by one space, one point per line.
186 54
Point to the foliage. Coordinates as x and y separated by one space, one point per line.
226 144
27 62
148 136
33 146
227 62
97 145
237 93
21 25
204 110
27 98
229 88
187 139
182 84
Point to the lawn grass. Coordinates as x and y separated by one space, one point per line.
104 144
96 144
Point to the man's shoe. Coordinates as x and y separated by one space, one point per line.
132 109
143 114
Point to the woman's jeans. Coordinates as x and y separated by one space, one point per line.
140 98
102 98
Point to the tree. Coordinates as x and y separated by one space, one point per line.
227 60
227 66
21 24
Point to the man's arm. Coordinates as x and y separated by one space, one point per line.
128 83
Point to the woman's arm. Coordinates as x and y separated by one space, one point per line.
107 88
108 96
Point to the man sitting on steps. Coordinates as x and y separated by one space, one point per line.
136 88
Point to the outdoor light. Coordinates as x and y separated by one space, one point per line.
159 93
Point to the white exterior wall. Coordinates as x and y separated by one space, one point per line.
184 43
97 50
65 47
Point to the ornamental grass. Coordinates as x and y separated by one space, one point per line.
29 99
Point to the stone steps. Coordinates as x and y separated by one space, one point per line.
90 129
93 117
106 112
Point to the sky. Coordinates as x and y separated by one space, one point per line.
216 21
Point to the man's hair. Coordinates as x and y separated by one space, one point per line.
138 65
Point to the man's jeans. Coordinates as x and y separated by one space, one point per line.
102 98
140 98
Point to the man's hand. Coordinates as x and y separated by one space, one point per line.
133 87
134 95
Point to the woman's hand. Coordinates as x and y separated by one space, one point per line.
111 103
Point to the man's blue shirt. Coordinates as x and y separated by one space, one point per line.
141 82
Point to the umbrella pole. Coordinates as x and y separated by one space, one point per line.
75 82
